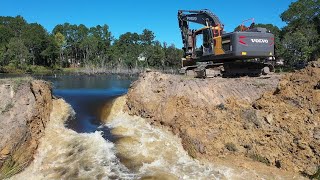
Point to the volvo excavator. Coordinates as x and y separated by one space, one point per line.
210 51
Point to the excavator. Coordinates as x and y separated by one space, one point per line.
210 51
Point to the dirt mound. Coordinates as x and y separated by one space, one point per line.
24 111
256 119
155 94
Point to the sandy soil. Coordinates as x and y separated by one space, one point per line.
273 121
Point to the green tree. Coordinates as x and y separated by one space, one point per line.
5 34
297 47
147 37
157 55
61 43
302 18
173 56
129 48
301 13
104 39
89 46
51 52
17 53
14 24
35 39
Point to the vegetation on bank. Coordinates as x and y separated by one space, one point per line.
29 48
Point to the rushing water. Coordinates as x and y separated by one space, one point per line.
80 143
87 95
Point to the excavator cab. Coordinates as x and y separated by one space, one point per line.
208 41
203 43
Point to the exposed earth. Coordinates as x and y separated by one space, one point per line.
24 112
273 120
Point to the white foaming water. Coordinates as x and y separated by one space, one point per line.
65 154
155 152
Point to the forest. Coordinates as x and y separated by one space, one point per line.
27 46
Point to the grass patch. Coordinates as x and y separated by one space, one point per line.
17 82
221 107
316 175
284 69
71 70
10 168
33 69
260 85
231 147
251 116
7 108
11 69
259 158
26 69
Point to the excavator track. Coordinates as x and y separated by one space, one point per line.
230 69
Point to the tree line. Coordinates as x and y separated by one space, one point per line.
299 41
23 44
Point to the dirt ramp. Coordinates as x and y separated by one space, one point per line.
243 119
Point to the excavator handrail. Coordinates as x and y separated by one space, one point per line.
243 27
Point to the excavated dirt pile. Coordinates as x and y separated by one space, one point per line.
24 112
272 121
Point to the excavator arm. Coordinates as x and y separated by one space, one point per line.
204 17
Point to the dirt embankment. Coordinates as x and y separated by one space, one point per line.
24 112
256 119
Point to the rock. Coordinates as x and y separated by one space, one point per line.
316 133
302 145
148 70
5 151
251 116
278 163
201 148
315 64
269 118
317 86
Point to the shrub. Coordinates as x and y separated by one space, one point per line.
231 147
259 158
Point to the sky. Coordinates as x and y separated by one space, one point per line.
135 15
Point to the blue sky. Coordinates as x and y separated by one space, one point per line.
135 15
